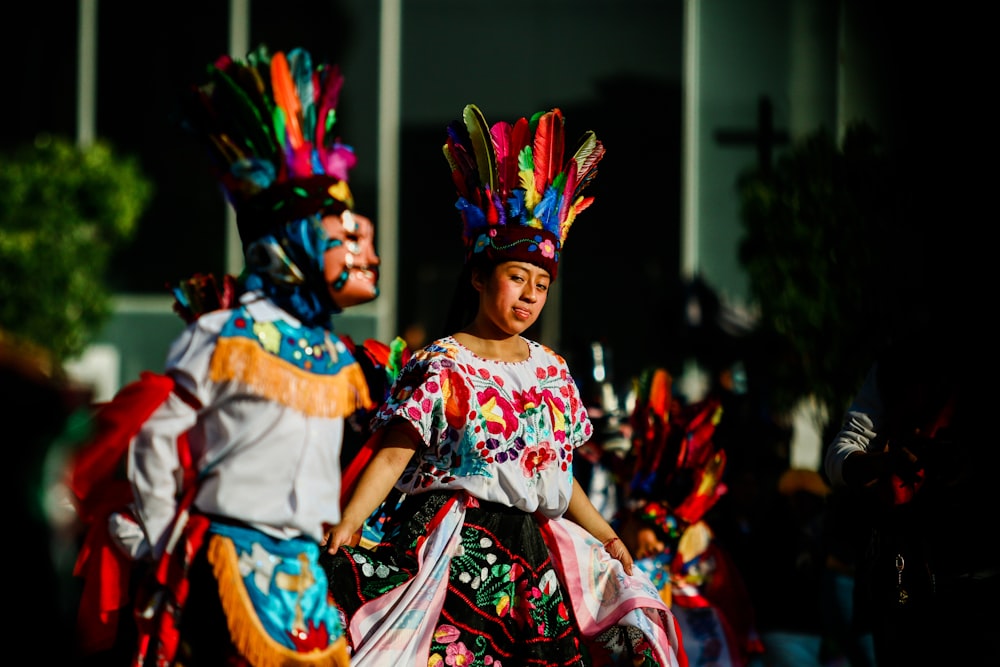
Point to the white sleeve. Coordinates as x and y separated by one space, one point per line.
860 427
154 467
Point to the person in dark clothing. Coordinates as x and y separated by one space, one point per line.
914 440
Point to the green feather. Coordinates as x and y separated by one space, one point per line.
482 145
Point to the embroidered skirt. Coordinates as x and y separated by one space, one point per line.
503 603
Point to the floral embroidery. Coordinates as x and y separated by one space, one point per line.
457 654
537 460
527 399
503 431
445 633
501 417
547 248
504 604
525 605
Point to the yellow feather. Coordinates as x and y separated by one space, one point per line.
531 197
482 145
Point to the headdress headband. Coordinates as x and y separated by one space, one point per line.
517 197
268 124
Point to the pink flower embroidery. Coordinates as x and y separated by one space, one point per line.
458 654
445 633
547 248
524 603
537 459
528 399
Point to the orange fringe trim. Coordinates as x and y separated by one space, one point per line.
666 594
246 630
331 396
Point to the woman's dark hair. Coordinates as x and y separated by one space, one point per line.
464 299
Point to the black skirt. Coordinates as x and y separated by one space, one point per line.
505 603
498 607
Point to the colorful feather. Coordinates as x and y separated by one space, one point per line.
482 145
514 173
458 152
526 173
333 81
302 74
230 103
547 149
286 100
566 206
520 135
267 120
506 174
589 153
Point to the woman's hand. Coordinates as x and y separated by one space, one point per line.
582 512
397 443
616 549
339 535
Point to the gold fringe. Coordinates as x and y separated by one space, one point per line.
246 630
666 594
244 361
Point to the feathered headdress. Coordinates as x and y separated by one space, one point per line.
678 469
267 123
517 196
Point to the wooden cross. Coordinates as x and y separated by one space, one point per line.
764 136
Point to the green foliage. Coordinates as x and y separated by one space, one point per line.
813 226
63 211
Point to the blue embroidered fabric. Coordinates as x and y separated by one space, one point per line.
284 582
312 349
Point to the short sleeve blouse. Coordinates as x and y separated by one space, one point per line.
503 431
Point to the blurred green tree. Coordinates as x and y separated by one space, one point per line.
816 225
64 209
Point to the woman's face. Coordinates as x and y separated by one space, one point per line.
512 296
350 263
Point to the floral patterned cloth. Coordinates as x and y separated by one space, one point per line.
504 432
455 581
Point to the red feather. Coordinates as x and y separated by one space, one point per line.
332 82
519 137
464 171
500 133
569 189
286 98
547 149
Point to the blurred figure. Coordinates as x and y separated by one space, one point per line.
847 634
914 440
600 463
233 454
676 479
789 567
42 420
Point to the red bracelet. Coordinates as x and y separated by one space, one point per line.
608 542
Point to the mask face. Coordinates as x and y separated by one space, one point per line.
350 262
